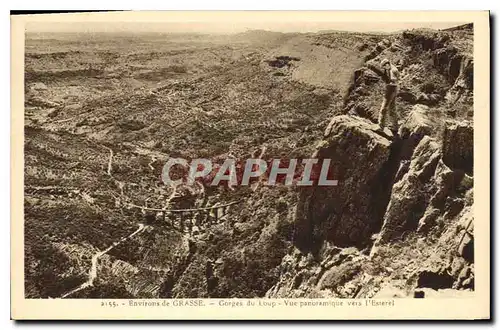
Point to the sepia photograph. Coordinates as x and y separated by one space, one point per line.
258 159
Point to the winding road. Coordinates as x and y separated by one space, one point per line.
95 259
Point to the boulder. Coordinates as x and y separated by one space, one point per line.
339 275
417 123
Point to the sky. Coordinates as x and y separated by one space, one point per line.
227 23
236 27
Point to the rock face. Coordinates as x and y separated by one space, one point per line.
430 189
400 221
429 210
346 214
458 145
409 196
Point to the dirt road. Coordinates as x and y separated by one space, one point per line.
95 259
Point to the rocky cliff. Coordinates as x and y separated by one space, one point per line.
400 221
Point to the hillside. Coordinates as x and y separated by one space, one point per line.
104 112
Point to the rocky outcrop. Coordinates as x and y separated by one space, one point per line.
337 274
435 183
409 195
347 214
436 71
427 208
400 222
458 145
